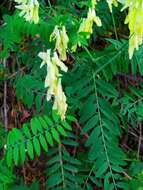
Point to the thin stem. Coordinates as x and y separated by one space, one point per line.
5 102
49 4
90 172
127 176
61 163
140 140
24 175
137 101
114 25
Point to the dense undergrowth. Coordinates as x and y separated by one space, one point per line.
93 140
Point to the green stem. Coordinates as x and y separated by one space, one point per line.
114 25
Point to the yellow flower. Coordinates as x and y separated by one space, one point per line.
87 24
52 73
25 11
61 41
60 101
92 17
56 61
29 10
112 2
45 56
134 20
34 6
53 80
93 3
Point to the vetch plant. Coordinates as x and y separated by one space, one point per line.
71 95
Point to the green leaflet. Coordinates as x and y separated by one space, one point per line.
37 146
30 149
61 130
49 138
55 135
34 137
16 154
43 142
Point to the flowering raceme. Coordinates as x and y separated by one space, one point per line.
53 81
60 100
87 23
29 9
61 41
134 19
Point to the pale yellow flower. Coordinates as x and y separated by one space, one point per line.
93 3
60 101
87 23
53 80
58 62
29 10
45 56
34 13
92 16
62 40
112 2
134 19
25 11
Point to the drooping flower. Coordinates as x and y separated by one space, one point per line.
60 101
62 40
58 62
87 23
112 2
93 3
134 20
34 6
29 10
45 56
53 80
92 17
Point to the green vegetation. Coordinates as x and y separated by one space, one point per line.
71 95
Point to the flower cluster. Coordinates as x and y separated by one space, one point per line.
53 81
134 20
29 9
87 23
61 41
